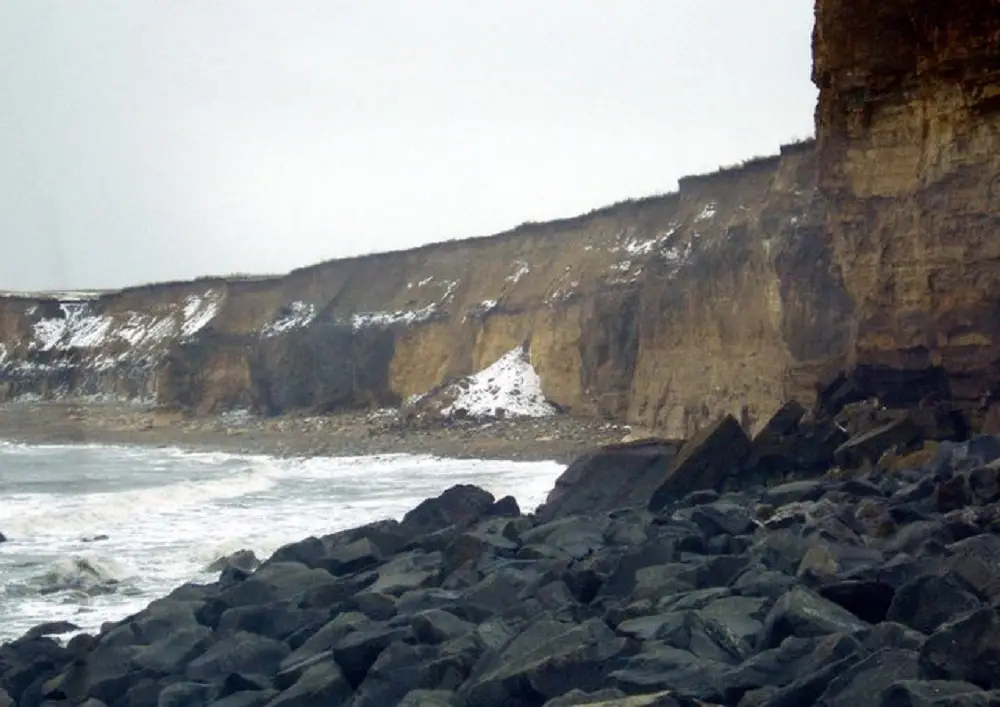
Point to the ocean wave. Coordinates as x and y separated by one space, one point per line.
80 575
89 513
193 508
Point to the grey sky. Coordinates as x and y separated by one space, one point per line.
144 140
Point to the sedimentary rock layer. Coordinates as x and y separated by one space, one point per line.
874 249
908 129
664 311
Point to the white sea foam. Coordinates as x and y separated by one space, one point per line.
167 513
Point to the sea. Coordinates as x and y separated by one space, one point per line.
95 532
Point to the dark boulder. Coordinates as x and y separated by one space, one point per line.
870 677
277 620
931 600
244 560
546 660
611 477
953 493
935 693
357 651
241 652
460 505
711 455
783 422
805 614
432 672
431 698
353 557
967 649
322 683
185 693
438 626
837 391
722 517
660 667
52 628
622 581
787 663
250 698
868 447
868 600
506 507
795 492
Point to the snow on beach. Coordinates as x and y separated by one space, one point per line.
508 387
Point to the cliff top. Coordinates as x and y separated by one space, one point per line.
685 185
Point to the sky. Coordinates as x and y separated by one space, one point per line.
145 140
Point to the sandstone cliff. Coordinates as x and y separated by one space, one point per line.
664 311
874 250
908 128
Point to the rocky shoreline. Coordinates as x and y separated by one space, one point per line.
558 438
842 557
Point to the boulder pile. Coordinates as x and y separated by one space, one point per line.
840 558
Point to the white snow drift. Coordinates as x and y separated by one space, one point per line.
508 387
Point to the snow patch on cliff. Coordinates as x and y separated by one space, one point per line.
296 316
637 247
81 327
707 212
199 310
77 328
676 257
509 387
361 320
564 293
146 330
385 319
521 269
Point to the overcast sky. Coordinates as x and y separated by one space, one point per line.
144 140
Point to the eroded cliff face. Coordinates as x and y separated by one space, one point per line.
662 311
876 250
908 127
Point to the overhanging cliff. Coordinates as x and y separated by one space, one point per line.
876 249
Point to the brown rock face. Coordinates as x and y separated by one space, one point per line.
877 250
663 311
908 128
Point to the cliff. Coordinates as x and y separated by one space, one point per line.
664 311
872 250
908 128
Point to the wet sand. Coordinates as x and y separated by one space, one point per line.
559 438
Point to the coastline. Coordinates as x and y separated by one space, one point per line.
559 438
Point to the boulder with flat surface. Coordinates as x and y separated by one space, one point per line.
703 462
